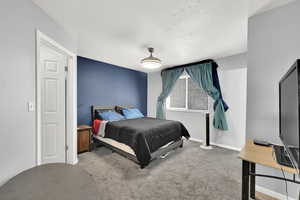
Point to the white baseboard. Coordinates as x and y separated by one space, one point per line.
196 140
226 146
75 162
272 193
218 145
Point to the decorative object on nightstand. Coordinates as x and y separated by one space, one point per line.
84 138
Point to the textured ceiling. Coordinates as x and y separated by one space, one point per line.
181 31
260 6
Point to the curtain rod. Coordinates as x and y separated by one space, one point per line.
193 63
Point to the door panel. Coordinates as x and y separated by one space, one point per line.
51 66
49 141
51 88
53 105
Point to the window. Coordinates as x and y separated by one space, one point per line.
187 96
177 97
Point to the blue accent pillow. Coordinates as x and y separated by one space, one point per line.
111 116
132 113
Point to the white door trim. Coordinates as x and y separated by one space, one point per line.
71 99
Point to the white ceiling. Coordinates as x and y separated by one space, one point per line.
260 6
181 31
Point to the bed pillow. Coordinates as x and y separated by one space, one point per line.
98 112
97 115
132 113
119 109
111 116
96 126
99 127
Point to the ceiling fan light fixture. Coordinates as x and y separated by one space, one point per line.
151 62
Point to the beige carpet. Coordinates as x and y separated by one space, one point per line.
187 173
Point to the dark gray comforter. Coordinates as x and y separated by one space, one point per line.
145 135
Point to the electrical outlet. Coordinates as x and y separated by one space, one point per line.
31 106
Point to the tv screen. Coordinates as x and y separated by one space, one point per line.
289 113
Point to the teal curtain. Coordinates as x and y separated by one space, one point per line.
169 78
202 75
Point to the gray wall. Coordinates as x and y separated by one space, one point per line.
19 20
232 73
233 62
273 46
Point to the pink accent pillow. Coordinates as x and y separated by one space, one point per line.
96 126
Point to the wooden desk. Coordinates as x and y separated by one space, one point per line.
253 154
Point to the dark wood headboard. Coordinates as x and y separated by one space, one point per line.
95 107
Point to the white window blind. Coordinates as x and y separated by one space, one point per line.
178 95
187 95
197 97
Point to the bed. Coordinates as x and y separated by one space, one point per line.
141 140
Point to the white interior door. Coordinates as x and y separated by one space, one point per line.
53 95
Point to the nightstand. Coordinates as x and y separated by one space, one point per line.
84 134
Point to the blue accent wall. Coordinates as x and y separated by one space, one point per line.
104 84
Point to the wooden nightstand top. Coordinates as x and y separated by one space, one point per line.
83 127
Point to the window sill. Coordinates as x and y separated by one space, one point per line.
185 110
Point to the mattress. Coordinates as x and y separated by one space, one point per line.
122 146
116 144
145 135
